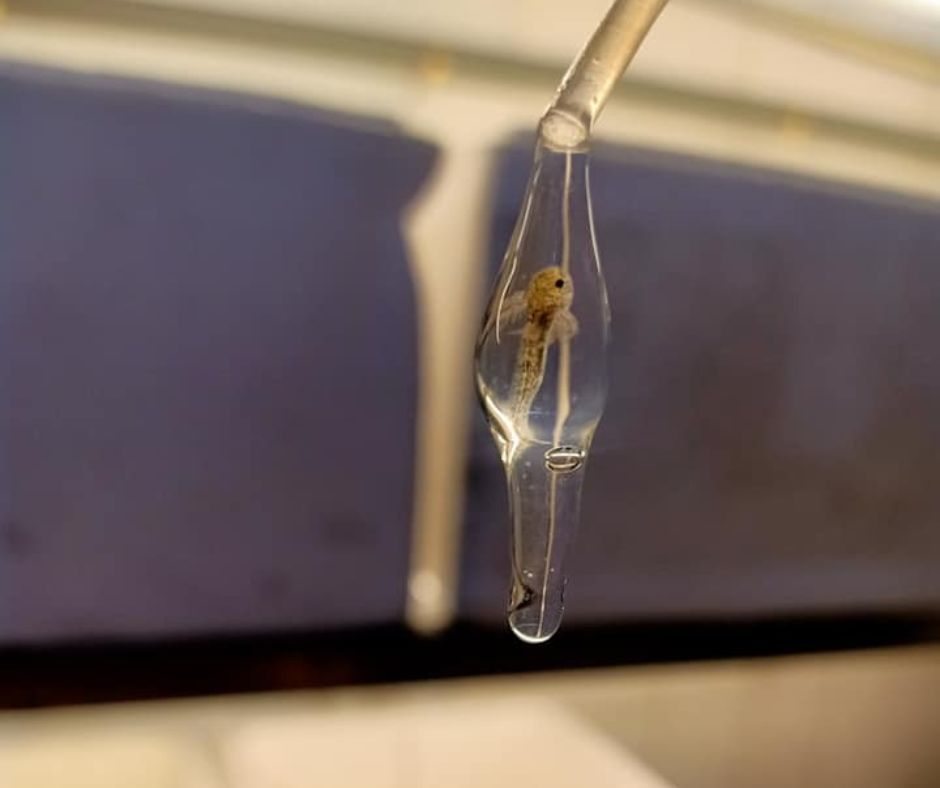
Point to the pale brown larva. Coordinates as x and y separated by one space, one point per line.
547 308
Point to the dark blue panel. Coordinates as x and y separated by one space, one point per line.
208 361
772 437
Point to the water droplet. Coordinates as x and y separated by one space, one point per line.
564 459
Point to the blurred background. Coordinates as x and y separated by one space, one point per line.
253 530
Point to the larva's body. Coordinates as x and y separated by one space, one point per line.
546 306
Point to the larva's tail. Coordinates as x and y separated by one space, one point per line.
530 371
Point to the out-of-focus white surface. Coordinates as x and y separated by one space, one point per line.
696 44
454 741
912 22
460 743
76 758
851 720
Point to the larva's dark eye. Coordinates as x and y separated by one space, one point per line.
559 283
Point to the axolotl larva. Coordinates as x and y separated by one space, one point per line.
546 307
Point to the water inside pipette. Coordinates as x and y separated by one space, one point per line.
544 428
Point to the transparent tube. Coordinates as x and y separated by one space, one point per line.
585 88
542 377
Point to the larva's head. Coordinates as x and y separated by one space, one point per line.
549 291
